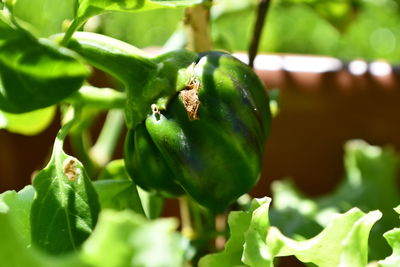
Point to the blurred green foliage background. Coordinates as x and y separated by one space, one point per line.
347 29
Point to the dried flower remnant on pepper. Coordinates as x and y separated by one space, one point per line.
190 98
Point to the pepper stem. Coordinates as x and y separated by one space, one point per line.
198 27
105 145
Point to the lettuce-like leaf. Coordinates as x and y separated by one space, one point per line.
393 238
253 242
369 171
344 242
239 222
128 239
18 206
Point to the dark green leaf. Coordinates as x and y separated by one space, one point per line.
66 205
34 73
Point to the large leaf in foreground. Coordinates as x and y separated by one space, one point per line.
34 73
65 207
13 250
17 205
128 239
15 230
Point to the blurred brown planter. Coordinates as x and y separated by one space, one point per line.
323 103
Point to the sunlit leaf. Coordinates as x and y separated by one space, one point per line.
15 249
34 73
18 206
393 238
65 207
46 16
127 239
90 8
344 242
30 123
239 222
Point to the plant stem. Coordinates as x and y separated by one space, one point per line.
198 27
187 228
262 10
105 145
73 27
104 98
80 143
70 118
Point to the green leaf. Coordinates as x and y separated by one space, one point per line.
239 222
127 239
152 203
344 242
15 234
46 16
115 170
118 195
30 123
90 8
34 73
116 190
156 26
369 171
12 248
293 213
393 238
255 252
18 207
9 4
66 206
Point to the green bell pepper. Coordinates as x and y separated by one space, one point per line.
197 122
209 141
